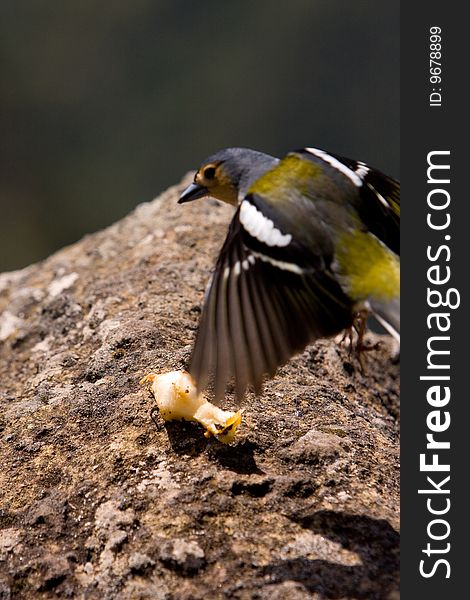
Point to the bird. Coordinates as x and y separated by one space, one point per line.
312 248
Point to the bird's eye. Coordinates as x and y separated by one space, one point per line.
209 172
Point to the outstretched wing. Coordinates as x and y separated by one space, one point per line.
260 309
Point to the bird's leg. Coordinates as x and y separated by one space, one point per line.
348 335
355 336
360 326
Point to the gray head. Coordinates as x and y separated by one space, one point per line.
228 174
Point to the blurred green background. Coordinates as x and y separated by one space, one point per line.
104 105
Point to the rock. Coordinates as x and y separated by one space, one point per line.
98 501
110 518
139 563
48 511
5 591
182 555
49 571
287 589
116 540
316 447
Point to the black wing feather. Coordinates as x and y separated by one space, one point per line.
379 205
257 315
378 201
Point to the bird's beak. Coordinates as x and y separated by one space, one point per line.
193 192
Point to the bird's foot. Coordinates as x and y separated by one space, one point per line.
355 336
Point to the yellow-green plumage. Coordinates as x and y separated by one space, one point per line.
367 268
291 173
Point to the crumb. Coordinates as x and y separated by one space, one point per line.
177 399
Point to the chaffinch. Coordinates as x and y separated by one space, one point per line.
315 241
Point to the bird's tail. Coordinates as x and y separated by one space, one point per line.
388 315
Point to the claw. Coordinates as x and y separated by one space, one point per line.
355 334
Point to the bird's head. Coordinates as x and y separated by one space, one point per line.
227 175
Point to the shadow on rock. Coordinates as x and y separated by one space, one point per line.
185 437
239 458
373 540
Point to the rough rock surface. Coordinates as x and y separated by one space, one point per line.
97 502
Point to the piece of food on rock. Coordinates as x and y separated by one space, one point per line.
177 399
